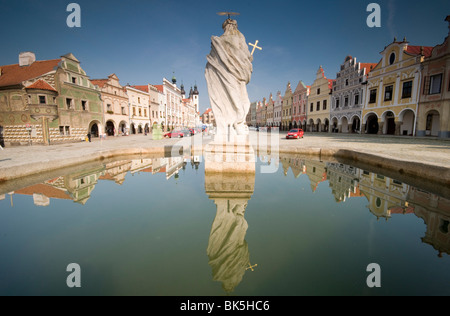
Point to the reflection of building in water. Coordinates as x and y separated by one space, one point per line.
138 165
343 181
116 171
386 196
297 166
42 193
173 166
227 249
81 184
76 187
195 162
316 172
435 212
169 165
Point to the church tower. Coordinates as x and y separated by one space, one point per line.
183 93
195 98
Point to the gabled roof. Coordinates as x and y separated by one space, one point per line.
12 75
301 86
47 190
368 66
160 87
417 50
142 88
41 85
71 56
99 82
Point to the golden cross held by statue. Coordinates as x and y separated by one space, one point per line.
255 46
251 266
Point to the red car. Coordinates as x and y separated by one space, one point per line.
295 133
174 134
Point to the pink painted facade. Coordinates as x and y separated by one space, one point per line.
300 97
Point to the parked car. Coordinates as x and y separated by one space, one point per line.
295 133
175 134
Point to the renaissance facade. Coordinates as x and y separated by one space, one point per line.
347 100
115 106
43 102
319 103
393 89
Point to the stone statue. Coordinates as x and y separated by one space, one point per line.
227 74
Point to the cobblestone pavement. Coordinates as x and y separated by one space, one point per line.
424 150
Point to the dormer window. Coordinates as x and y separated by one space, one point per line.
391 58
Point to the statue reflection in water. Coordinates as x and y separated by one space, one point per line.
227 250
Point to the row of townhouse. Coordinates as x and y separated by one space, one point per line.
406 93
49 101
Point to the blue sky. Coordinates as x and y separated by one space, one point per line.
144 41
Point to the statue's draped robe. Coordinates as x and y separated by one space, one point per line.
227 73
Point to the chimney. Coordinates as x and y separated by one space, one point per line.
26 58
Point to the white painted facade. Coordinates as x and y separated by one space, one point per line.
139 110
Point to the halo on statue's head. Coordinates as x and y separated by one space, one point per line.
229 22
228 13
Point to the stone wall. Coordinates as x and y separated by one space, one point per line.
19 135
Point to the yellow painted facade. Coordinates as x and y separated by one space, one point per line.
319 103
392 92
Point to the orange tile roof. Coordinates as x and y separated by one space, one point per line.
14 74
142 88
368 66
416 50
401 210
159 87
41 85
99 82
47 190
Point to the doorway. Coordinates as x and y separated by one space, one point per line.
110 129
390 121
372 124
432 123
94 130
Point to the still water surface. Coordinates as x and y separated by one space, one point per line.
161 227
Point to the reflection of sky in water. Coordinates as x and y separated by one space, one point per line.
150 236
